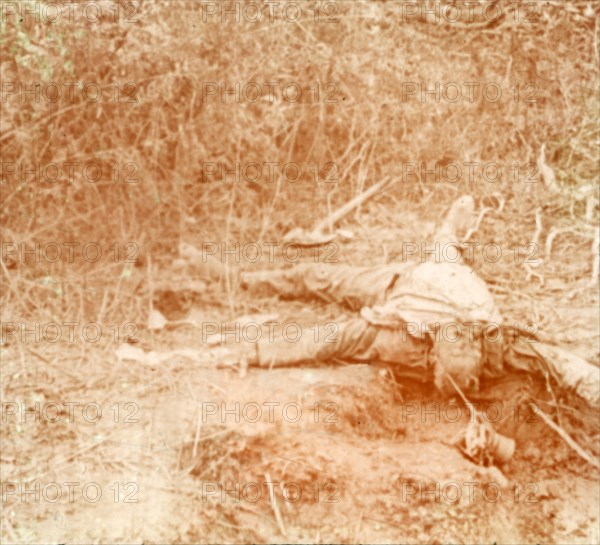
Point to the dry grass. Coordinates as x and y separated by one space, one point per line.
170 132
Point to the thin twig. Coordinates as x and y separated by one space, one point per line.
274 505
567 438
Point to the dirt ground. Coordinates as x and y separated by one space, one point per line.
100 447
354 453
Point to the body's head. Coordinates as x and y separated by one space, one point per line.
460 361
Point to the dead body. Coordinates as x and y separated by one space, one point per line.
419 347
404 315
361 339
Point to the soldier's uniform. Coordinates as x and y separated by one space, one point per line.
426 320
407 315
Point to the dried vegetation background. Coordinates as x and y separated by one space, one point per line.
369 133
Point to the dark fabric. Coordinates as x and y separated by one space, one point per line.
359 341
354 287
355 341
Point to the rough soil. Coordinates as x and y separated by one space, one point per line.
364 461
386 437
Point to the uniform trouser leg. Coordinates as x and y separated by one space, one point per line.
354 340
354 286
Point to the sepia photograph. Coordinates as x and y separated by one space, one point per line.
300 272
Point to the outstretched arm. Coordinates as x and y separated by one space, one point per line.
572 371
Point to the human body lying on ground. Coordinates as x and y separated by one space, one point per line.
429 320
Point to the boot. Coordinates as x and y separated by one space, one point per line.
459 219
